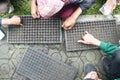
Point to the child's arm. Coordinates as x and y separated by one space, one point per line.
15 20
106 47
34 9
70 21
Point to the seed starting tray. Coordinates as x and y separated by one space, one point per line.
105 30
36 31
37 65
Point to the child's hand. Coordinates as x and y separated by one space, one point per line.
89 39
34 9
15 20
111 4
69 23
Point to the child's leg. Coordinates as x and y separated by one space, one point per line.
112 68
67 11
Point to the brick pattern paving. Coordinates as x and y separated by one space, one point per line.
11 54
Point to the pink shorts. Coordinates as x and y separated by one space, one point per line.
67 11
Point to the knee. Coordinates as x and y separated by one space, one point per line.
116 56
68 10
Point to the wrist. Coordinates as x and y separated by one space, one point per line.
9 21
77 13
74 17
6 22
96 42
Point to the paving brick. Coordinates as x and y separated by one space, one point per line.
4 69
17 77
4 49
72 54
63 55
77 63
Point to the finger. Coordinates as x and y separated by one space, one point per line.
81 41
70 27
63 25
83 35
66 25
38 15
86 32
21 24
65 28
114 6
34 16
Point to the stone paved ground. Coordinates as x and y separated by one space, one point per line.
10 55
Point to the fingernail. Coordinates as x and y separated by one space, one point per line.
79 41
21 24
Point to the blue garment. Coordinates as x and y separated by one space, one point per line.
85 4
0 22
